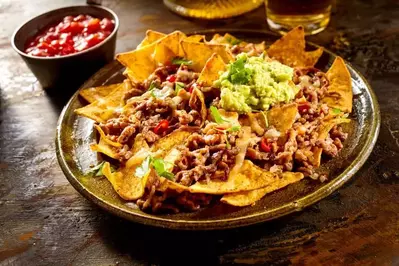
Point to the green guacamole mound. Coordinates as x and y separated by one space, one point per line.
251 83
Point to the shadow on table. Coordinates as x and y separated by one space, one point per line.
162 246
59 97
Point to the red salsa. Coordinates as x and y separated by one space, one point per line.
71 35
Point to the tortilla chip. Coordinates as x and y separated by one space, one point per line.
247 177
126 184
151 37
290 50
166 143
96 93
140 62
107 140
323 131
199 53
195 38
210 72
103 109
143 61
339 93
246 198
316 160
282 117
225 39
165 184
197 102
168 47
103 147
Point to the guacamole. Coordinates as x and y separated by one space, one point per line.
251 83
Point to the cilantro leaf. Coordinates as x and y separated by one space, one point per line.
217 116
179 86
97 170
336 111
234 129
159 166
143 169
152 86
238 73
181 61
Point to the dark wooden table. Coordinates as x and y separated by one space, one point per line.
44 221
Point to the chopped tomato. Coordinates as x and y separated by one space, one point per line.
264 146
303 107
161 127
191 89
72 34
171 78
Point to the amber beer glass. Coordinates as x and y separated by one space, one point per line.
283 15
212 9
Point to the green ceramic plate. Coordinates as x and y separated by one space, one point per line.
74 134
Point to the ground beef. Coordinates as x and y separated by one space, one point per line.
293 152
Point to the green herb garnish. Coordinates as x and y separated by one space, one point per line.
179 86
234 129
98 169
217 116
152 86
181 61
233 41
158 164
336 111
238 74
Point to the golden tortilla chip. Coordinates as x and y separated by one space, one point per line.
126 184
103 109
104 137
103 147
195 38
199 53
143 61
168 47
151 37
96 93
197 102
323 131
282 117
165 184
339 94
247 177
290 50
140 62
210 72
166 143
225 39
246 198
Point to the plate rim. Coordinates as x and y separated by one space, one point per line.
234 222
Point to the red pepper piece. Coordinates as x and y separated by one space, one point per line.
171 78
161 127
264 145
303 107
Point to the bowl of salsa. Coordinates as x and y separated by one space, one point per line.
65 46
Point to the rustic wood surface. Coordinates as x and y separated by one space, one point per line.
44 221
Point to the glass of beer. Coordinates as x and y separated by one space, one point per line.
284 15
212 9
